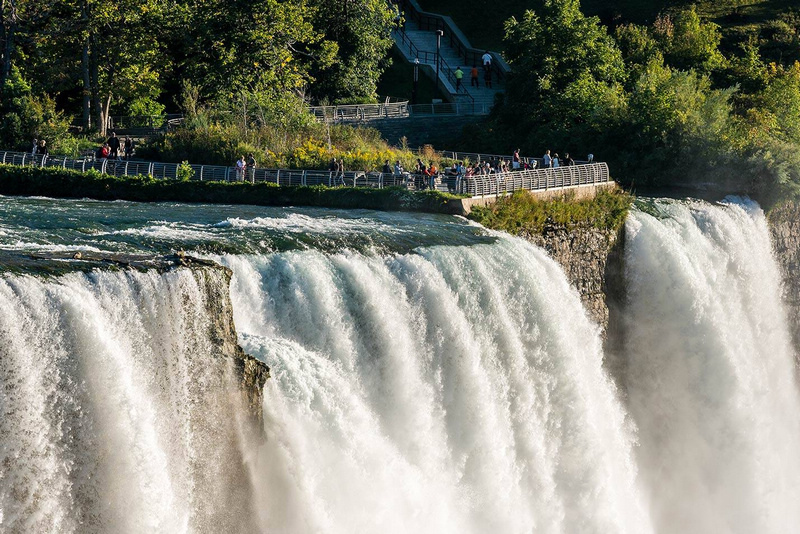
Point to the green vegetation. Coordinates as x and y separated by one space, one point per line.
264 59
523 214
61 183
662 104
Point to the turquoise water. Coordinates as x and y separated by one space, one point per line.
44 225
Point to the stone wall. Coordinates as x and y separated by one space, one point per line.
589 257
785 227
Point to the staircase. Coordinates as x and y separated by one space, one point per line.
418 40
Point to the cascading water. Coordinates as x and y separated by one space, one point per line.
427 376
711 375
459 389
118 413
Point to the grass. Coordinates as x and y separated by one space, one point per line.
523 214
66 183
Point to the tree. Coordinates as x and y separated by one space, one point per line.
687 42
361 30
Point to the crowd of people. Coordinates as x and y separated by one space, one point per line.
115 149
456 176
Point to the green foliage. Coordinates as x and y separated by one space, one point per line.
523 214
687 42
24 117
145 107
185 172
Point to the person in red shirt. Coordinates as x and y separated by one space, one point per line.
473 75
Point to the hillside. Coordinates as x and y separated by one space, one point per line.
482 20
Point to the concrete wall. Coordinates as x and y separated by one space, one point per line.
578 192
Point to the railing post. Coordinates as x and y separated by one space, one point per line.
278 177
303 179
201 172
103 166
150 168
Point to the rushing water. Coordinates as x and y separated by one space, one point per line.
427 376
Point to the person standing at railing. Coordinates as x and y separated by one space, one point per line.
548 161
556 163
35 147
432 173
113 145
473 74
515 160
340 171
128 147
241 164
568 161
459 74
251 168
387 169
42 149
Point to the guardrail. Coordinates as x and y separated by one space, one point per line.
430 58
457 40
537 179
360 112
477 185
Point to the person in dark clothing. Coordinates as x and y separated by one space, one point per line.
487 78
42 150
113 146
387 169
128 147
568 161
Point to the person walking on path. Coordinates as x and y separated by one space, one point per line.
113 145
473 75
487 60
459 74
251 168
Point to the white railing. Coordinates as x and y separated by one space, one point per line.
478 185
360 112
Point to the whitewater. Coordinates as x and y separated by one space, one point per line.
427 376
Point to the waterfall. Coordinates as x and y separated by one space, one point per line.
119 413
456 389
710 373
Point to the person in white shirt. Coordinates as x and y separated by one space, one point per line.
548 161
487 60
240 166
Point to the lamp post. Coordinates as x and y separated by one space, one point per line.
416 80
439 34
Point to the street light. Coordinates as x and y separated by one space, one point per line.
439 34
416 79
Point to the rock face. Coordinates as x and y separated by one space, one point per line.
590 257
251 373
785 228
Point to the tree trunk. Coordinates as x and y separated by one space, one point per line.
87 88
8 9
105 112
94 72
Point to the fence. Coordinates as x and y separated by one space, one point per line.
479 185
360 112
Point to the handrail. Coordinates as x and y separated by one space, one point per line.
457 40
360 112
477 185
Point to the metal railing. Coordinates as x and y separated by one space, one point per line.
453 37
477 185
537 179
360 112
430 58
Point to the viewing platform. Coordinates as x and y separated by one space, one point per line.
481 189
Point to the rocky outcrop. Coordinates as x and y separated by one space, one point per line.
784 222
589 257
251 374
